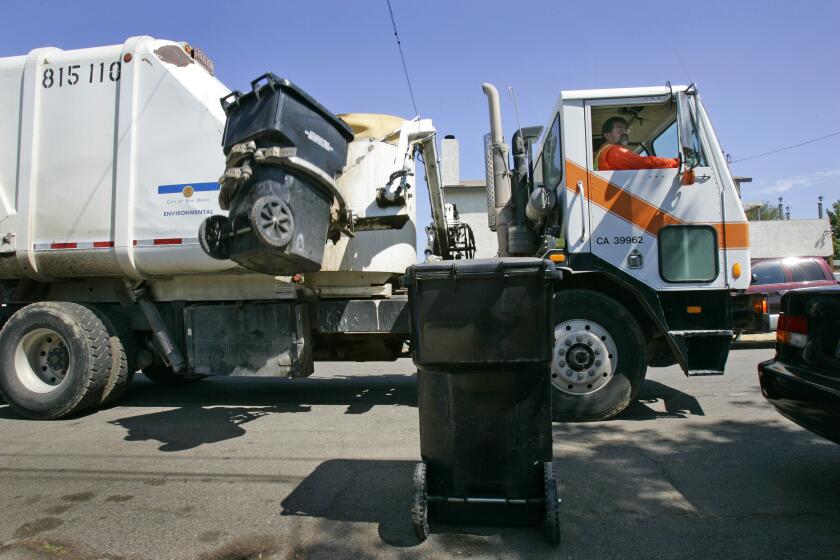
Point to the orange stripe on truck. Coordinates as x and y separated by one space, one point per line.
737 235
640 212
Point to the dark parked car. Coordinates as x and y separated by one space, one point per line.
774 277
803 380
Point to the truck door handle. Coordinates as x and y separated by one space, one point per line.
582 211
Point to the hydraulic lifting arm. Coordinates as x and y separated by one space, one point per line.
421 137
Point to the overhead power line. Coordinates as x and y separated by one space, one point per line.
402 56
811 141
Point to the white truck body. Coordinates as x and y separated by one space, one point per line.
109 163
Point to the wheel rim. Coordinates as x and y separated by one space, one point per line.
585 356
274 222
42 360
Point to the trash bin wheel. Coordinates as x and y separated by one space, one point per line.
551 523
420 508
213 237
272 221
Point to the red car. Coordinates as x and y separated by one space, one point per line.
777 276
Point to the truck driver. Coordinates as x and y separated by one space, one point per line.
614 156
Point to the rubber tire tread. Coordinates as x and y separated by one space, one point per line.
123 354
81 329
551 523
622 389
420 507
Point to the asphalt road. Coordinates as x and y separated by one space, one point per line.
236 469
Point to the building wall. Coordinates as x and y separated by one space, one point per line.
790 238
471 202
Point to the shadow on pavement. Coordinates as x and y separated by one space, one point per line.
177 429
377 491
718 489
222 406
359 393
366 491
677 404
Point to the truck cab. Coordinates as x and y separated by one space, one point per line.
653 243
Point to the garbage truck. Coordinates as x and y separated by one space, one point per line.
110 167
122 249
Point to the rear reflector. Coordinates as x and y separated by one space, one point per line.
792 330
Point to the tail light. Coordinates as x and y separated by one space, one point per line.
792 330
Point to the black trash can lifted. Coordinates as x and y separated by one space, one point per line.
482 342
284 151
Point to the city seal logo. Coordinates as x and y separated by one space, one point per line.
188 191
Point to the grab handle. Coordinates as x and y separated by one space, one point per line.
582 210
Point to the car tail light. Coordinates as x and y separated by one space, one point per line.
759 305
792 330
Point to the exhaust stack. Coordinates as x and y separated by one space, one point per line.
501 174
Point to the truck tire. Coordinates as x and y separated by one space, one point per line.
123 354
55 359
599 358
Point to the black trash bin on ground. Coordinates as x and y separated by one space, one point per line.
283 151
482 340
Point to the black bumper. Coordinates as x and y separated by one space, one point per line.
804 396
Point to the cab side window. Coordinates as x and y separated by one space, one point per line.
688 253
665 145
552 158
644 130
538 173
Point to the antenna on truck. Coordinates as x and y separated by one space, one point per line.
515 108
512 94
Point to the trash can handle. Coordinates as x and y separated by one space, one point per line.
269 78
236 94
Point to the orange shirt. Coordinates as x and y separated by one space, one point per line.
612 158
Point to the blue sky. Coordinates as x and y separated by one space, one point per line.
767 71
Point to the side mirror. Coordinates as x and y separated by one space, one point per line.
753 278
